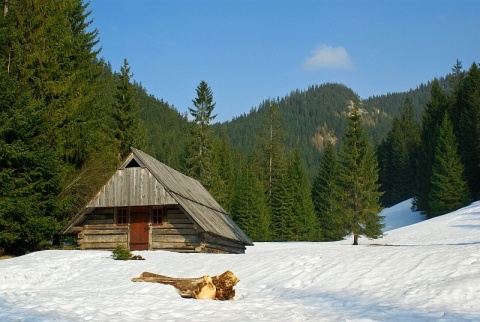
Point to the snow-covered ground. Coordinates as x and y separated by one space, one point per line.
428 271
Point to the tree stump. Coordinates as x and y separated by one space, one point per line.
218 287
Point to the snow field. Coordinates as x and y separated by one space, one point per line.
428 271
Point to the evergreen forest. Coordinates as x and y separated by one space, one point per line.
316 165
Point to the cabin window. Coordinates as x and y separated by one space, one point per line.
157 216
121 216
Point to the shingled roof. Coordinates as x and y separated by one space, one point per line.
190 194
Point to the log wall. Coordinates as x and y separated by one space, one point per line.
106 236
213 244
100 216
177 233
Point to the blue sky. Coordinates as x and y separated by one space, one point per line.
251 50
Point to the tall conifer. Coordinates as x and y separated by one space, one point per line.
358 176
29 177
272 169
325 195
281 203
200 158
271 149
50 54
432 117
397 157
449 188
467 126
249 208
129 130
303 210
223 187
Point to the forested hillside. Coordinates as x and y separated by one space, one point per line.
166 129
311 117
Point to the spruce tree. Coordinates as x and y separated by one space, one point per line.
223 187
271 149
249 208
397 157
432 116
358 176
272 168
303 211
129 130
467 126
449 187
325 194
200 158
29 177
50 54
281 203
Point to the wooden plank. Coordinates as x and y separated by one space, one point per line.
179 215
176 221
175 239
221 241
174 212
104 239
184 246
105 231
90 221
222 249
106 246
175 231
167 225
102 226
181 250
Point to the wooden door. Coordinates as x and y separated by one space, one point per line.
139 231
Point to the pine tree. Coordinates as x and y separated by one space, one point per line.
223 187
50 54
272 168
397 157
302 211
29 178
325 194
200 158
129 130
271 149
466 123
432 116
249 208
449 187
281 203
358 177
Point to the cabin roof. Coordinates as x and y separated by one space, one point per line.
190 194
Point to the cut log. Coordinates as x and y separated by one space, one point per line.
216 288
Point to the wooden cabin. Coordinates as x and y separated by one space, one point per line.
147 205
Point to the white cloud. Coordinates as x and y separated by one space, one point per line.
327 57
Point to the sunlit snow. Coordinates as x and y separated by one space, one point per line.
427 271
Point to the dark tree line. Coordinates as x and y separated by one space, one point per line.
438 162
